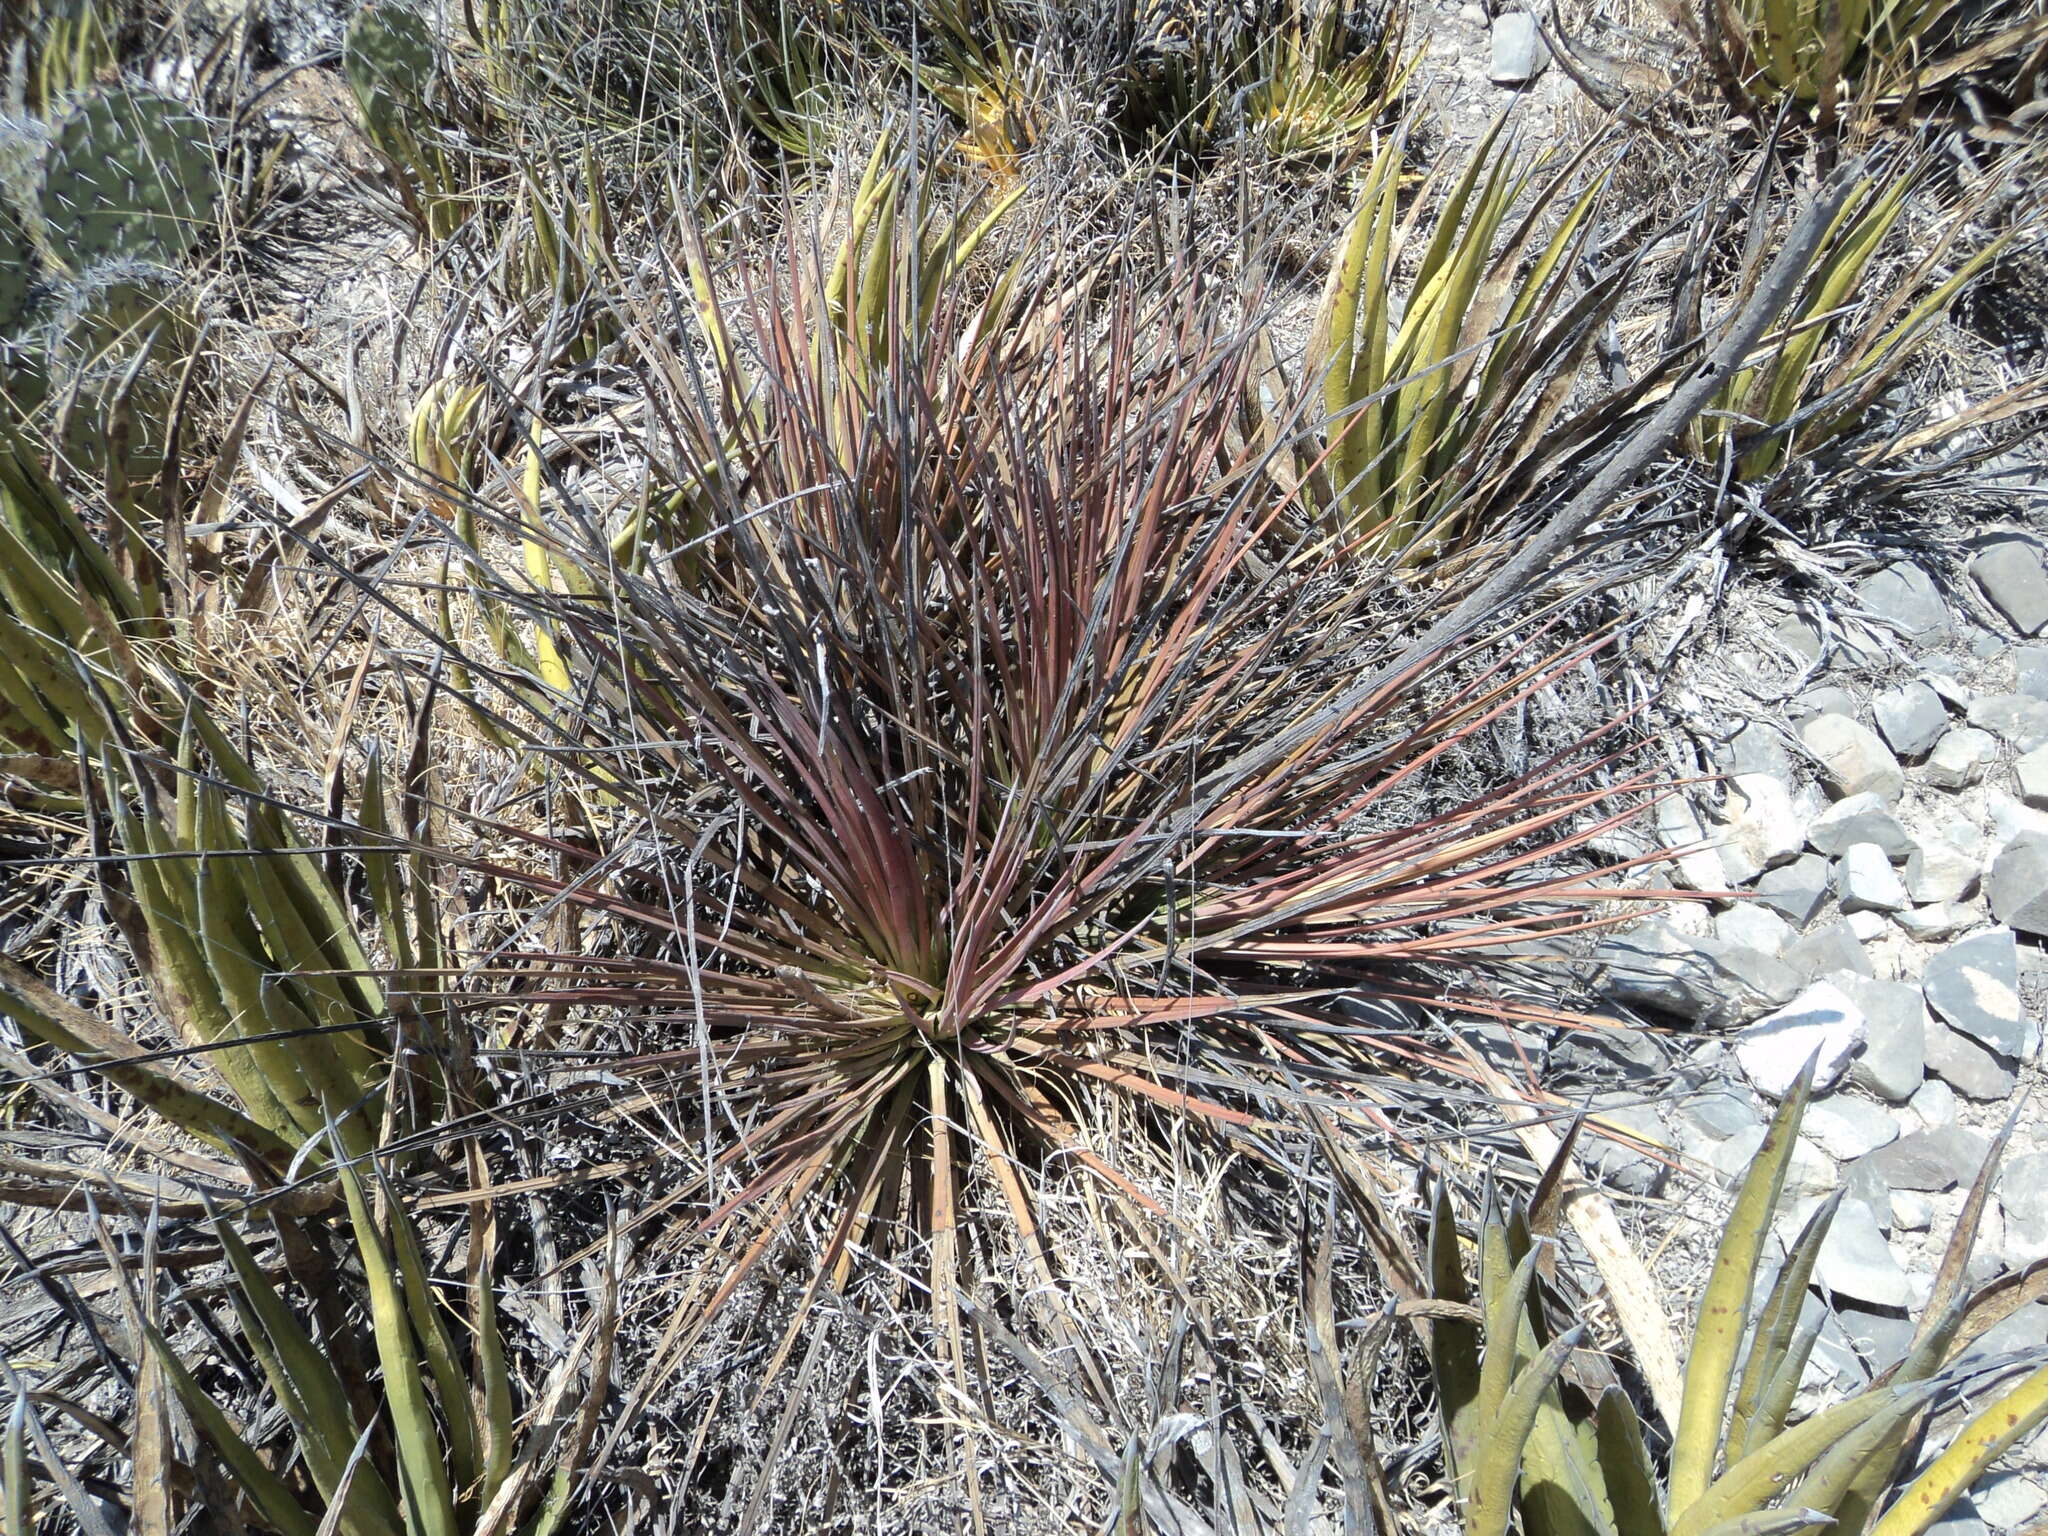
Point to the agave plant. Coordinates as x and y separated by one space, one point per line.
1302 80
460 1462
1516 1439
1842 340
1324 76
976 61
235 923
781 72
1434 403
295 1051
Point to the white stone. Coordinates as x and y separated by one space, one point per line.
2018 884
1894 1059
2010 1502
1911 1211
1857 1262
1820 1023
1852 757
1911 717
2015 717
1519 52
1939 871
1759 827
1905 596
1960 758
1679 828
1867 924
1974 985
1755 926
1942 920
1846 1128
2010 819
1934 1106
1866 882
2009 572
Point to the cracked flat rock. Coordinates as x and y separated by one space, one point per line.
1866 882
2014 717
1906 596
2023 1193
1971 1069
1929 1161
2032 772
1961 758
1894 1059
1973 983
1939 871
1939 920
1827 951
1796 891
1821 1023
1759 827
1847 1128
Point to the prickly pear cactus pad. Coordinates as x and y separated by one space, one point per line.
389 59
128 176
17 273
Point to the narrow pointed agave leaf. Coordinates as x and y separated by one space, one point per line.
252 1475
380 861
308 1080
426 1492
1951 1278
494 1407
1624 1458
1875 1443
1724 1308
1772 1522
1454 1348
1757 1414
1503 1322
310 1392
166 877
437 1343
1942 1320
1500 1456
2012 1416
1426 423
48 1016
14 1482
1760 1477
1562 1489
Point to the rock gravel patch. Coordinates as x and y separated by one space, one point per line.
1882 807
